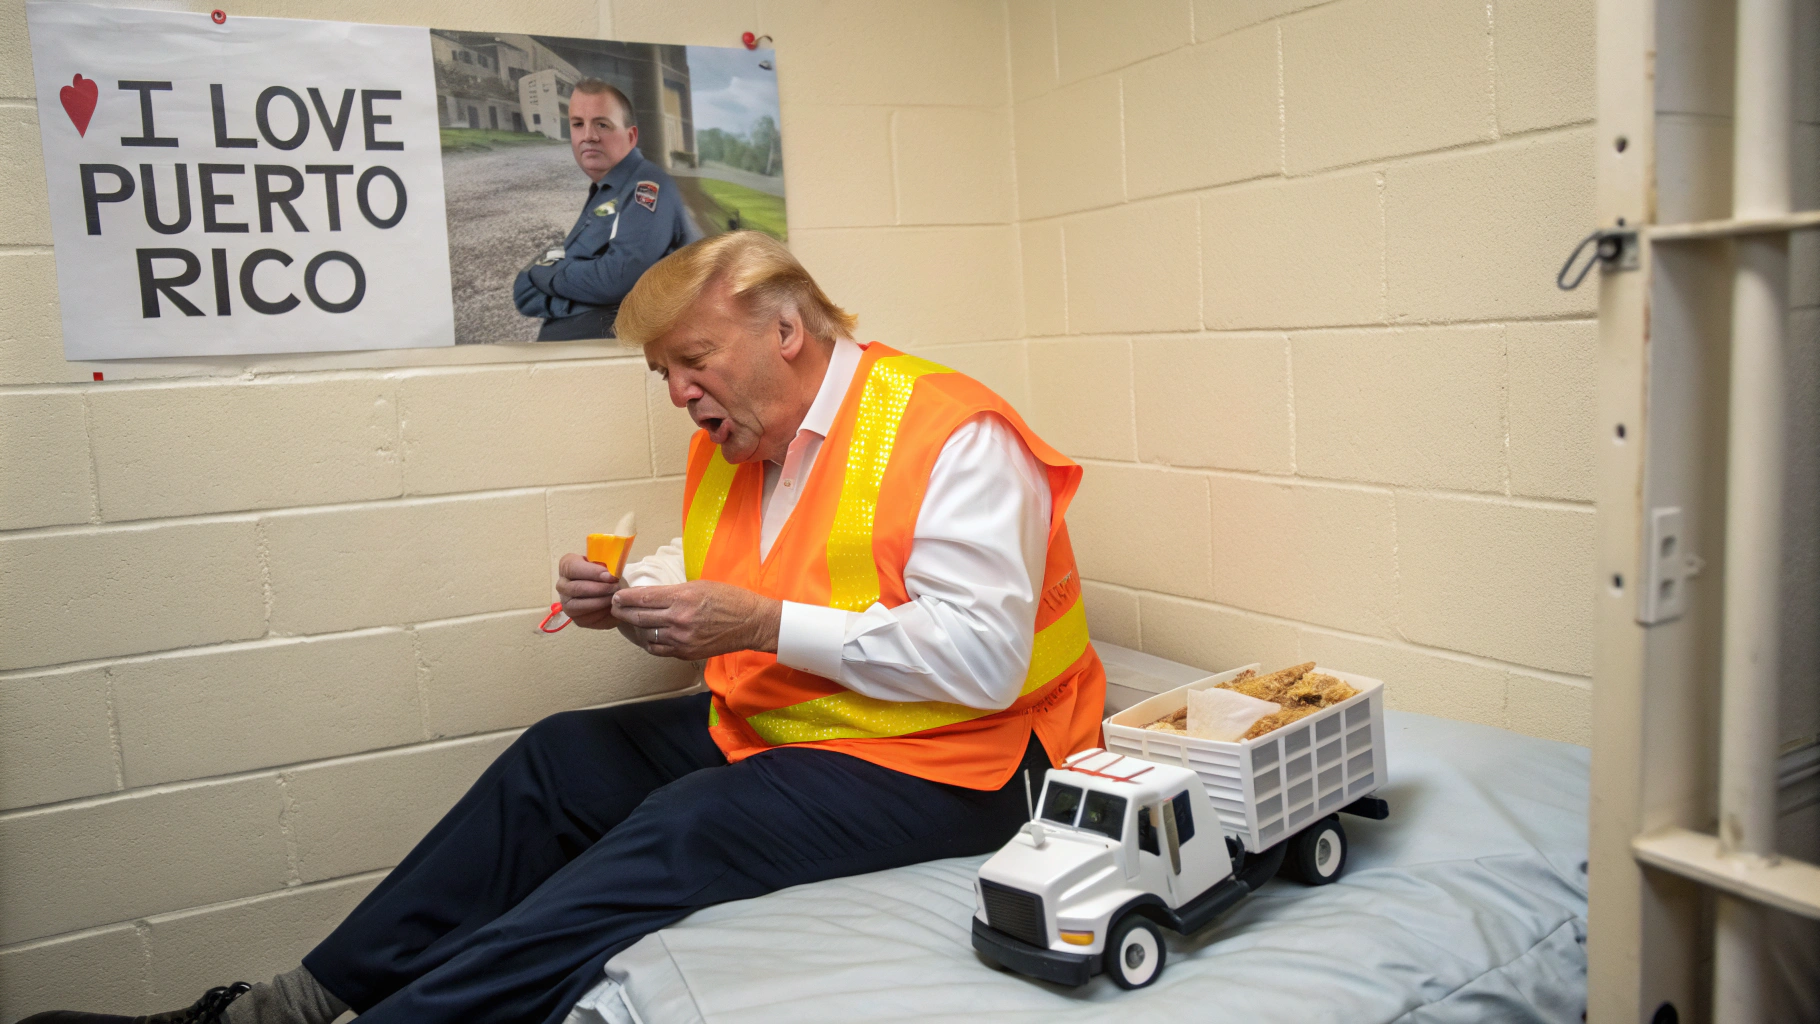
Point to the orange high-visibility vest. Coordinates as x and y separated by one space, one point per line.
845 546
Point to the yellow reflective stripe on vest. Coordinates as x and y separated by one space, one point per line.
848 715
704 512
852 571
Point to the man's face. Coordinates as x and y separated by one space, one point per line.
597 133
734 378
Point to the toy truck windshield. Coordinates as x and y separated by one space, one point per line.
1091 810
1060 803
1104 813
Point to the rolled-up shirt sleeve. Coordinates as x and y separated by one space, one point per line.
973 577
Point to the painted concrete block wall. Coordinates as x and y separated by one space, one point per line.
263 620
1288 274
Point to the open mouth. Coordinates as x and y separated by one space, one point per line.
717 428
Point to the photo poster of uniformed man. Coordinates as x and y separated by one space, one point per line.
225 186
570 166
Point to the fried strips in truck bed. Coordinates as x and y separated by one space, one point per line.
1299 690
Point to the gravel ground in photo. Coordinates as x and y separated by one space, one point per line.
505 206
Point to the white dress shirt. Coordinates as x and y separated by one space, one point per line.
973 576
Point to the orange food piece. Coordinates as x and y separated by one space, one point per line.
609 550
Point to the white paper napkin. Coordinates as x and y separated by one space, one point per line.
1216 714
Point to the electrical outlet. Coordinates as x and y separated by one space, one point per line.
1663 594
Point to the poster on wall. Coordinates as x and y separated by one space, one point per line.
264 185
522 133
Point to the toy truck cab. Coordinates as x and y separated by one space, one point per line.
1117 847
1122 841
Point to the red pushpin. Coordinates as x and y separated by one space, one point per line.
218 16
752 39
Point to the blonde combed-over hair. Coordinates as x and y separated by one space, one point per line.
763 276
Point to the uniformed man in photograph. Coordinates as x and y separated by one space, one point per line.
632 218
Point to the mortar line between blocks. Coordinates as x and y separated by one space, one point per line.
650 436
293 870
1367 486
145 924
113 728
1395 643
422 672
1383 249
154 374
142 931
1491 67
1131 405
271 772
94 469
1282 107
263 549
256 643
246 514
897 199
1124 157
1504 401
1379 164
1396 573
1289 378
1055 50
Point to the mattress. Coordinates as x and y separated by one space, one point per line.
1468 904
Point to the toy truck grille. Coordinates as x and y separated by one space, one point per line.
1268 788
1015 912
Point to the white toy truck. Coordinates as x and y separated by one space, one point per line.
1163 829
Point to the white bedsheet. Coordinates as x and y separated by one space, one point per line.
1467 905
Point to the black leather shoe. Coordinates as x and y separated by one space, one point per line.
210 1009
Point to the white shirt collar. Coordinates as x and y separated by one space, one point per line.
842 363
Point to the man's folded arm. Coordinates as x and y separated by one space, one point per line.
604 280
531 301
973 576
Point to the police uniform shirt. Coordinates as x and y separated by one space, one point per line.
633 217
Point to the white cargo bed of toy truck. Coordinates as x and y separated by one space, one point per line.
1268 788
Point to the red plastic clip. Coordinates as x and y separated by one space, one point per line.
218 16
555 612
753 39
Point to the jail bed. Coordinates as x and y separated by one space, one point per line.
1468 904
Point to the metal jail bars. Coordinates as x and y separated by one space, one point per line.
1692 381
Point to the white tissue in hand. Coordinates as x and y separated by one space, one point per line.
1216 714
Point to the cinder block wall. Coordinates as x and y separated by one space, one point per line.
263 620
1289 292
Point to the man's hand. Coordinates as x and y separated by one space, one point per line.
587 591
698 619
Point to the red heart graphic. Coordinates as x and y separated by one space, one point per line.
79 102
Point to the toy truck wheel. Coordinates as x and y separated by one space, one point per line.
1134 952
1317 855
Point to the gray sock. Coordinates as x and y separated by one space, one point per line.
294 997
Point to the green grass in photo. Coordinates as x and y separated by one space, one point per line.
755 210
460 140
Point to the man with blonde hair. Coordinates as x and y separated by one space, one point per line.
875 568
